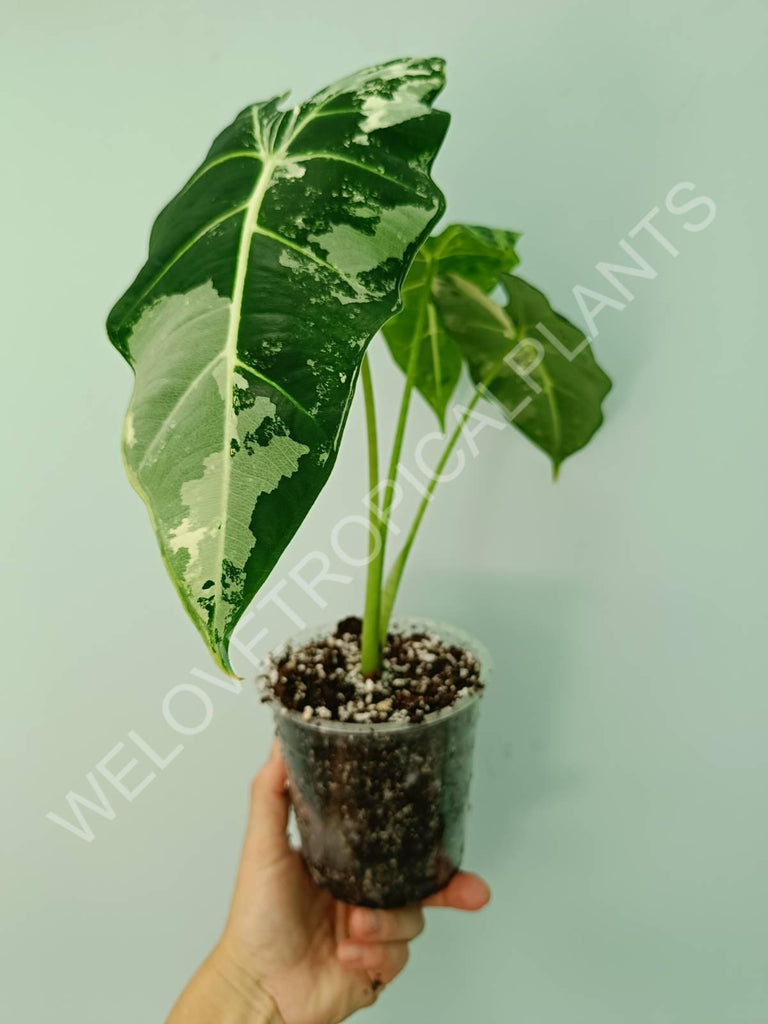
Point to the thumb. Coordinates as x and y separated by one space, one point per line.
268 819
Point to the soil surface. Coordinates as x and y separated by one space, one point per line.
323 678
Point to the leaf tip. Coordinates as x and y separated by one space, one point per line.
221 656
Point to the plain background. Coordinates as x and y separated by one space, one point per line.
619 805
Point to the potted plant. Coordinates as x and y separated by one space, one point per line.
304 232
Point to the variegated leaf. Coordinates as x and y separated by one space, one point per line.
267 276
478 255
538 367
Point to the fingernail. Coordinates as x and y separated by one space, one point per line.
351 954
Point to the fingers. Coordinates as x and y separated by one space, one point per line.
377 940
273 771
385 925
269 807
464 892
381 960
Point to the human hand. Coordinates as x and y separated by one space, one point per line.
319 959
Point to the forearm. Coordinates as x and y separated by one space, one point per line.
216 995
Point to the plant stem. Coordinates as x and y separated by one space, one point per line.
370 425
369 639
373 637
393 580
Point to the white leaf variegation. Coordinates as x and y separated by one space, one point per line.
267 276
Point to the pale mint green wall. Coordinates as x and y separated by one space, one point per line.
619 806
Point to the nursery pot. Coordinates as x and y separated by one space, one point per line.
381 807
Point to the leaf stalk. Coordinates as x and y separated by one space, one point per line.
373 635
389 592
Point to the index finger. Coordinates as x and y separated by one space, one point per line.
465 891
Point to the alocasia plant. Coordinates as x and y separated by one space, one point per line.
304 231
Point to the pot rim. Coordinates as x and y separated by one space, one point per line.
324 725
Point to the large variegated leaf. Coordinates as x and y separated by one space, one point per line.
535 364
478 255
267 276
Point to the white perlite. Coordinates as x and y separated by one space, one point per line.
323 679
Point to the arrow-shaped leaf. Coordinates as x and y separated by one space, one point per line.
267 276
538 367
478 255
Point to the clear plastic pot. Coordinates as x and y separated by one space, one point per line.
381 807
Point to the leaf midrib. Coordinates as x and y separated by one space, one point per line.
230 352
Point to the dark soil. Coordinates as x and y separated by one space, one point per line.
380 812
323 678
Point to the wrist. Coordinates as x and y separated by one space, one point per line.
222 992
243 989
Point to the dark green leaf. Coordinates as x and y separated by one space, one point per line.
535 364
477 254
267 276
